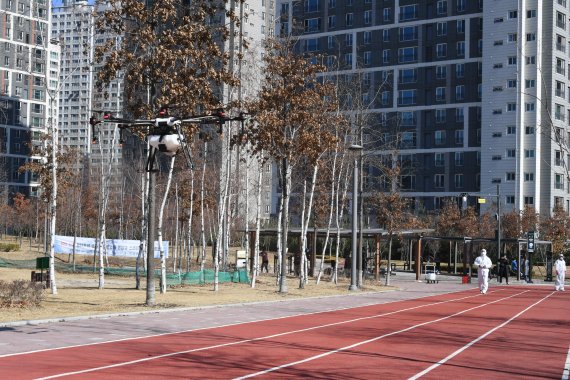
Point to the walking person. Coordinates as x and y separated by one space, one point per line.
483 264
503 269
560 266
264 261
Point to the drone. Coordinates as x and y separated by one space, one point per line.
164 132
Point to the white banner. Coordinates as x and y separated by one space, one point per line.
115 247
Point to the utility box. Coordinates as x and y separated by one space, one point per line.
241 259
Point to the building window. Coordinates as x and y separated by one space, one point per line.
408 76
511 107
349 19
439 159
529 201
439 181
459 158
511 83
529 153
440 115
459 181
442 7
409 33
459 136
387 14
459 92
460 5
440 94
510 177
441 50
461 49
367 17
528 130
513 14
510 199
441 72
460 26
530 83
313 25
407 97
441 28
332 22
348 59
386 57
386 35
330 42
408 12
512 37
367 58
530 37
348 39
511 153
311 5
531 60
459 115
531 13
460 70
439 137
529 107
367 37
408 54
511 130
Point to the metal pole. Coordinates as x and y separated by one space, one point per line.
353 269
498 223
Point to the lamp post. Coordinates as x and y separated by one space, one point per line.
353 265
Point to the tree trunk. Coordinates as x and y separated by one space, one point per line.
53 204
257 227
285 221
144 220
305 226
160 219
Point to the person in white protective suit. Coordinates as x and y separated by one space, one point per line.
560 266
483 264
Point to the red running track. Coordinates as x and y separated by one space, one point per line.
511 332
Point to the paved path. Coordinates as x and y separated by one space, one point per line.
40 335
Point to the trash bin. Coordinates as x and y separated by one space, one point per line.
465 279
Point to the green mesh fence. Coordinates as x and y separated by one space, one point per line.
186 278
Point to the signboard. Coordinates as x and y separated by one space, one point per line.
530 241
115 247
42 262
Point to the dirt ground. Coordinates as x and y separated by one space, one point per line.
78 293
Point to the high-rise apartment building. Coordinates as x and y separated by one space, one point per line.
480 90
29 65
73 25
526 103
421 63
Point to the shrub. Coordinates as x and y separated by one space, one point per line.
20 293
9 247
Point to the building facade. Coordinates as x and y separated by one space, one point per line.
421 66
526 107
480 90
29 65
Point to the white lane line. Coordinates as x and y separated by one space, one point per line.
224 325
452 355
566 367
371 340
253 339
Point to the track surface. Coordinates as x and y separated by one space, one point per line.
511 332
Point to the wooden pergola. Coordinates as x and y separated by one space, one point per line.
414 236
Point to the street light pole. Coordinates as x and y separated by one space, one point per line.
498 222
353 266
